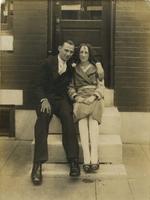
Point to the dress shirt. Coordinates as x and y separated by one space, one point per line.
62 66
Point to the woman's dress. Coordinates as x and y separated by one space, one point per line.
87 82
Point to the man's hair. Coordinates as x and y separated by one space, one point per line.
69 42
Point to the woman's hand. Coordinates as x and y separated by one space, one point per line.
99 67
79 99
90 99
45 106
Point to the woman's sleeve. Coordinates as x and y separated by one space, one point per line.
100 71
71 90
99 92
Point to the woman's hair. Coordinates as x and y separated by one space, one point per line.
91 54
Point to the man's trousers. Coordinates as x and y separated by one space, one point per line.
62 108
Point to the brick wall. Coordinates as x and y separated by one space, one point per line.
132 55
30 47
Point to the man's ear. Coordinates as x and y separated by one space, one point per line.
59 47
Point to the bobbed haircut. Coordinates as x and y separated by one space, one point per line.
91 54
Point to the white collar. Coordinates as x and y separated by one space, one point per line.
62 66
61 60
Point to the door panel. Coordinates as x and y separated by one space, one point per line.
83 21
92 36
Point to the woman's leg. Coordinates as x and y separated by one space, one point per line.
84 136
94 139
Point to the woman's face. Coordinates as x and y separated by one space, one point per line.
84 54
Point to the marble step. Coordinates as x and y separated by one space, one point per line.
106 171
110 149
25 121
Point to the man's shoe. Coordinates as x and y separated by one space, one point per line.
36 175
74 168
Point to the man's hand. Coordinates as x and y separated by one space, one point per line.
45 106
90 99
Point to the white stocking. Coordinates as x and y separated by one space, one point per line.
94 139
84 136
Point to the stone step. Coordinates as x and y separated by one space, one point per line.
106 171
25 120
109 97
11 97
110 149
111 122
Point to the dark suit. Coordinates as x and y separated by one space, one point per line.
54 87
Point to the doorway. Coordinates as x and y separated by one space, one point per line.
7 121
83 21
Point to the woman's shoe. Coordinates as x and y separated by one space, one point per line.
87 168
94 167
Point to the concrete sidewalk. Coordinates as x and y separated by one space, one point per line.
15 183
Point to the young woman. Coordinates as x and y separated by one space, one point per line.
86 90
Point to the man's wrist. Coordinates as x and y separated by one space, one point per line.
96 97
74 95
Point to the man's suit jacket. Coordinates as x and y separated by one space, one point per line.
50 84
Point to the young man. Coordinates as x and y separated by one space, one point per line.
52 98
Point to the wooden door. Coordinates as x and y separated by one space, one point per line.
83 21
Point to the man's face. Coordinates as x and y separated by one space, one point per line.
66 51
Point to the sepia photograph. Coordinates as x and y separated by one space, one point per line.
75 99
